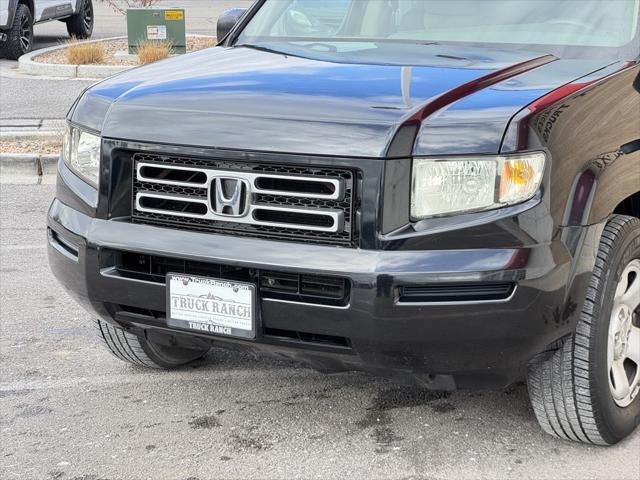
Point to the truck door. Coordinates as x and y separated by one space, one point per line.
50 9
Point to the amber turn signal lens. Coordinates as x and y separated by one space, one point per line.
520 178
517 173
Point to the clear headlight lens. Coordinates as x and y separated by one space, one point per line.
445 186
81 153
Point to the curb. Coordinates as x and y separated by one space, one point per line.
28 164
27 65
25 135
31 129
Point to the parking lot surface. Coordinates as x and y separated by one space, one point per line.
69 410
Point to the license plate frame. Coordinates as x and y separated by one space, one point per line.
211 306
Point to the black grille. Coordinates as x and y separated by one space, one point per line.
457 293
300 287
304 337
273 335
345 204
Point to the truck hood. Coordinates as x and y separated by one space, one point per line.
251 99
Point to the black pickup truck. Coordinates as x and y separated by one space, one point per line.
447 193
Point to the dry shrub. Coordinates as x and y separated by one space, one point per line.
152 51
200 43
82 53
122 6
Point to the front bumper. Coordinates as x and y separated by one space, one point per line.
445 344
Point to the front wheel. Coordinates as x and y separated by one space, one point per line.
588 390
20 34
142 352
80 25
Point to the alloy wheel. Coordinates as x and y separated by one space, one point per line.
87 15
623 349
25 33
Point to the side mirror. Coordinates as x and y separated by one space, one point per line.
227 21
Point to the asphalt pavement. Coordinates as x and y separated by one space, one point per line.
70 410
26 97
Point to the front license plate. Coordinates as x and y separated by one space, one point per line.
208 305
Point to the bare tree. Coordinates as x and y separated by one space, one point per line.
122 5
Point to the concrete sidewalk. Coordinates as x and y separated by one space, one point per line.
19 128
28 167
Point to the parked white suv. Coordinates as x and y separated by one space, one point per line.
17 18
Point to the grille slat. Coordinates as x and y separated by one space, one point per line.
280 281
305 288
308 204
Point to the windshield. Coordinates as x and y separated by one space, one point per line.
610 24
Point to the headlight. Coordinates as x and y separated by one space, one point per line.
447 186
81 153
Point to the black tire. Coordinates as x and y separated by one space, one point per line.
570 391
20 36
80 25
141 352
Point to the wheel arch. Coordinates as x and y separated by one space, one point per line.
629 206
12 6
30 5
617 183
609 184
78 5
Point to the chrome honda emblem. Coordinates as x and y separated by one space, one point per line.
230 196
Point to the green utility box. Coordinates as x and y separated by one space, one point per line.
156 25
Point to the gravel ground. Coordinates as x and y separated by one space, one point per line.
44 146
71 411
111 47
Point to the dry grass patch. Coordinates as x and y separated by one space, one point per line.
82 53
152 51
200 43
112 47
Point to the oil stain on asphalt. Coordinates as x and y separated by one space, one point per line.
206 421
377 416
249 439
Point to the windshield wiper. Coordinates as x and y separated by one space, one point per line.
260 48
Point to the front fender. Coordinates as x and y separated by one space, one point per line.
593 137
7 13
